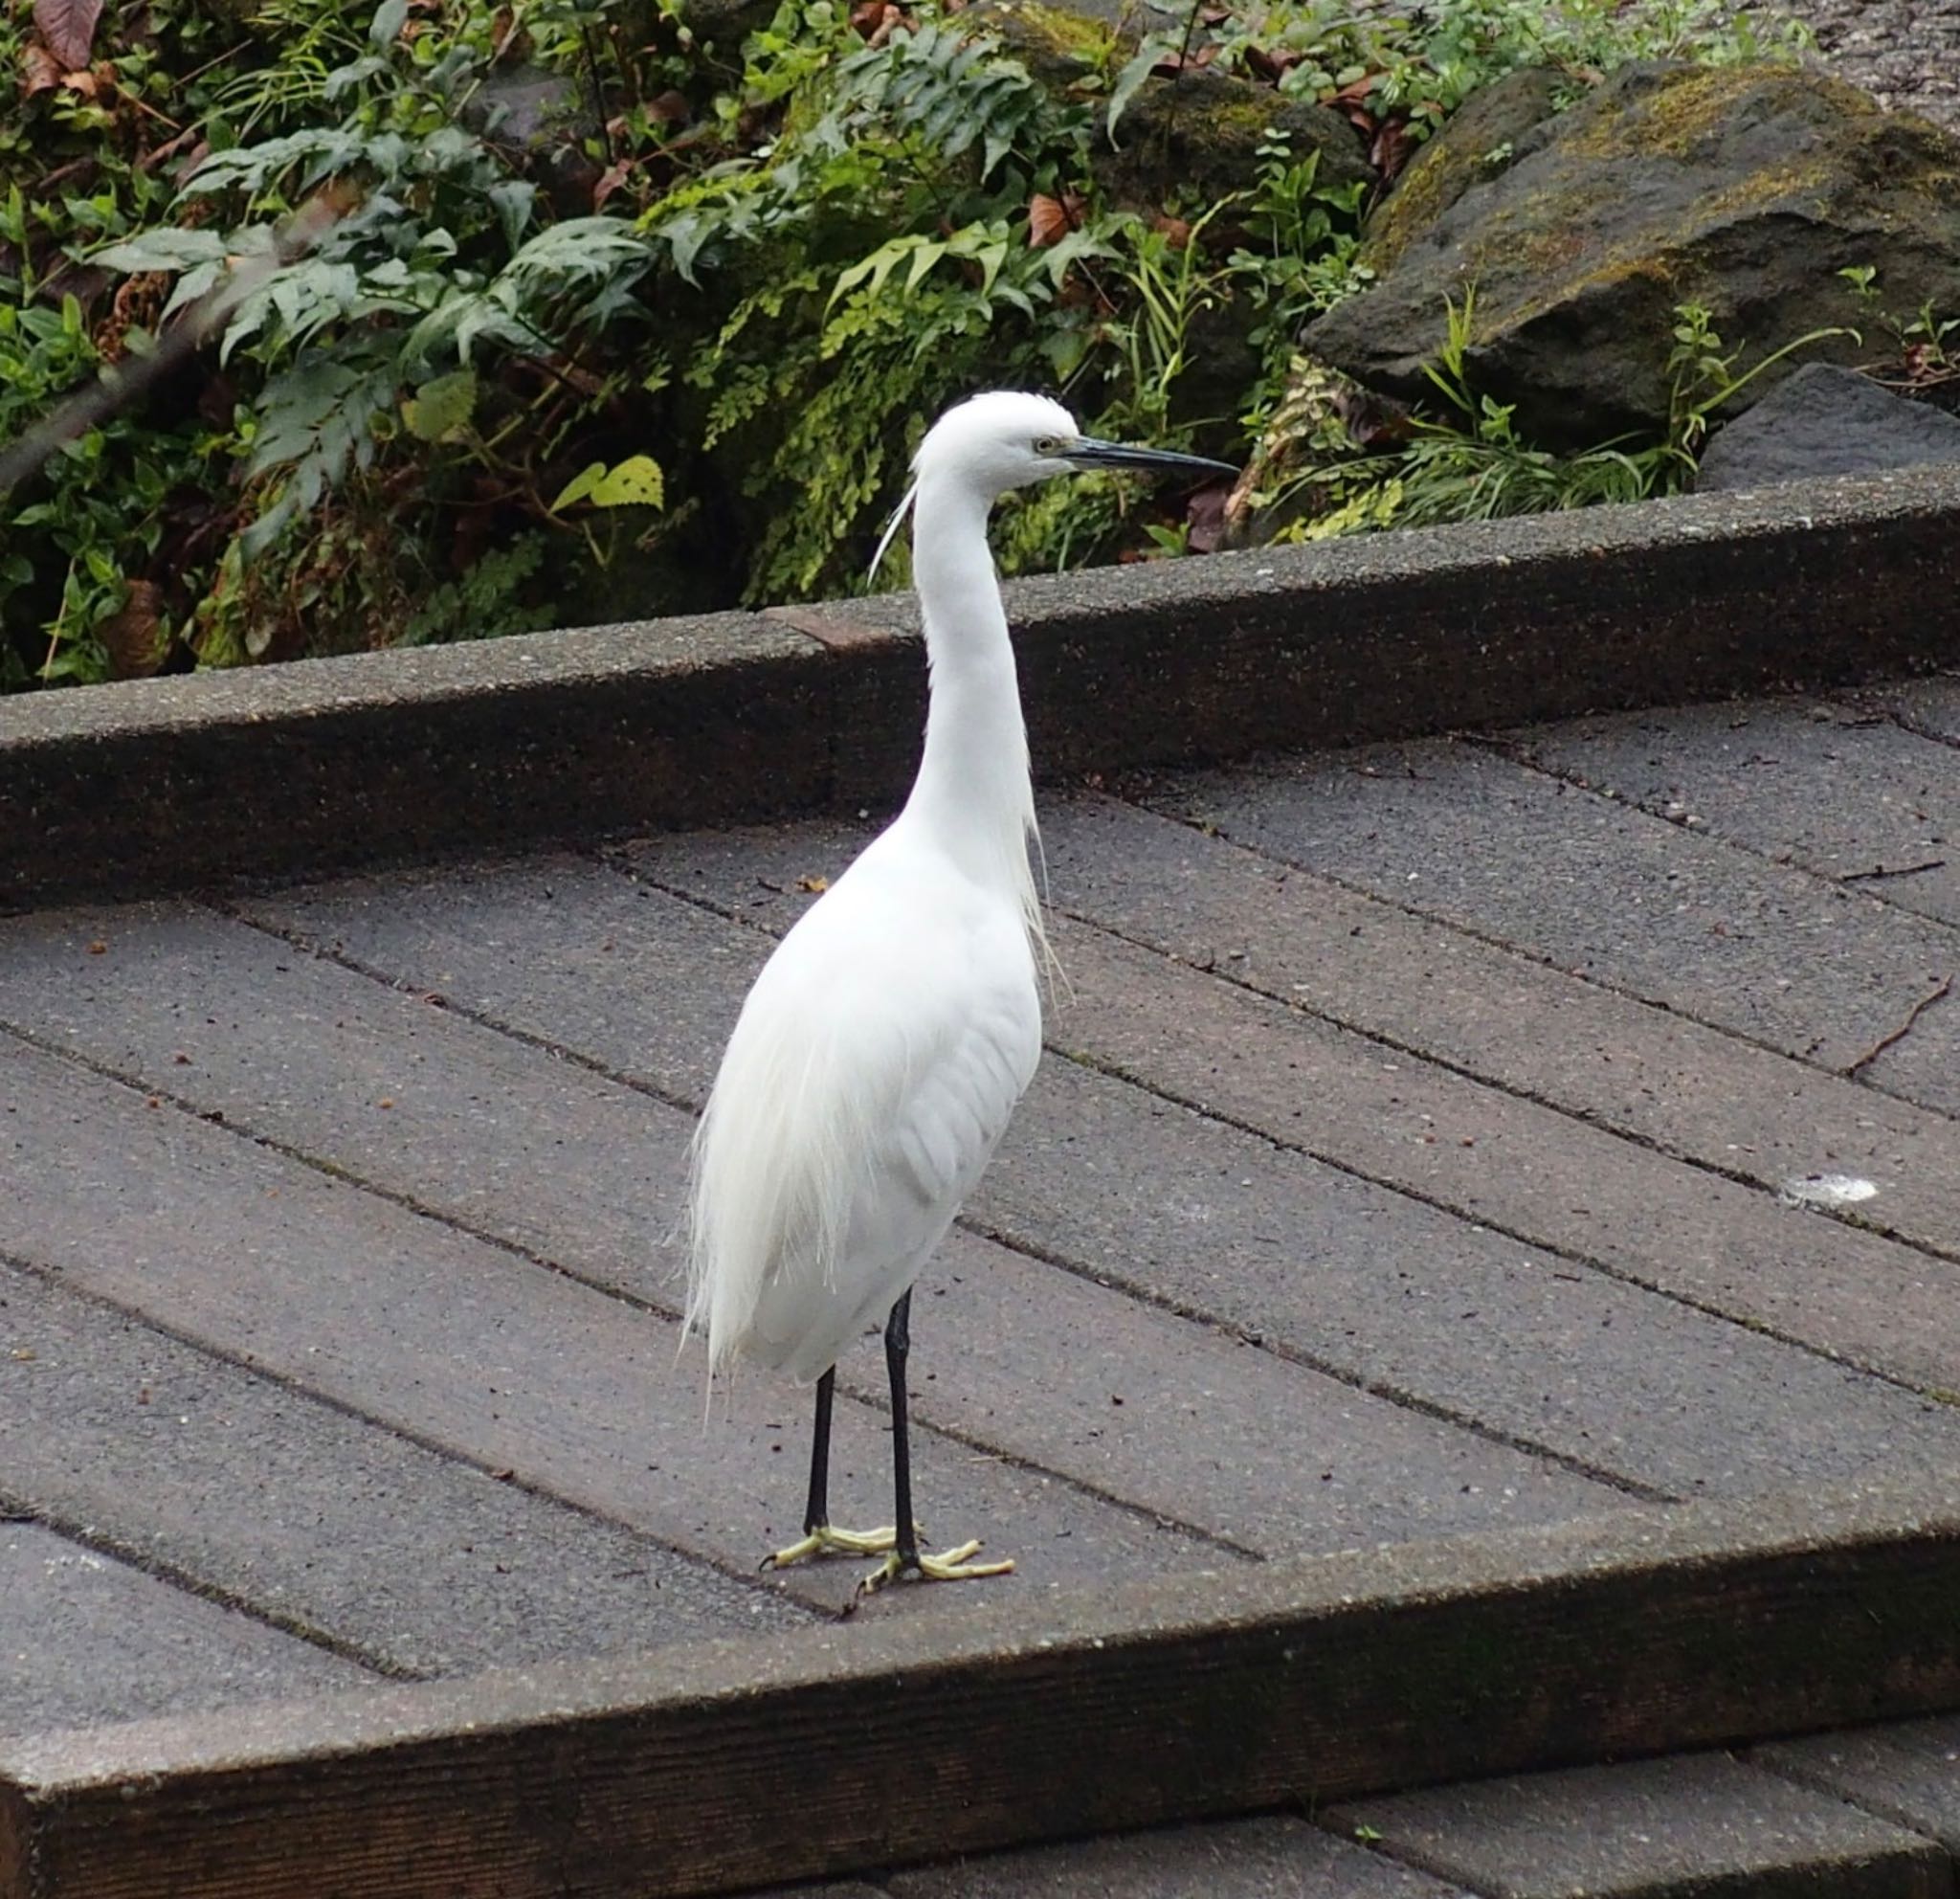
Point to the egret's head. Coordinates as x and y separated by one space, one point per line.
1006 440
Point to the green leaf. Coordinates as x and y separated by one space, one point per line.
1130 80
635 482
171 249
441 408
513 199
389 17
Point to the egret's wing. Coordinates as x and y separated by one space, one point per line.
868 1081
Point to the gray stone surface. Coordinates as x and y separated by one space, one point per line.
1006 1348
86 1638
1260 1859
1851 797
478 1352
1826 420
1528 1343
1908 1772
1614 894
317 1518
1905 53
1687 1824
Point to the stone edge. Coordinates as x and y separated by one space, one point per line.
593 732
704 1768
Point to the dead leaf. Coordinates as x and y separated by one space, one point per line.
1048 220
611 179
1205 511
1270 63
69 27
171 148
1176 230
670 108
1390 152
39 70
132 638
816 885
82 82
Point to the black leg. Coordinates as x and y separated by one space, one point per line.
898 1341
816 1513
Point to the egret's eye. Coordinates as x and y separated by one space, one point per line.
1047 444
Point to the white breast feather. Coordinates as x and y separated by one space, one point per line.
868 1081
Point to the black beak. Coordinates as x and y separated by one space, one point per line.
1089 453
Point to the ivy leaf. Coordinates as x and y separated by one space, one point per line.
441 408
69 27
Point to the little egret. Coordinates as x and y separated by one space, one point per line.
877 1058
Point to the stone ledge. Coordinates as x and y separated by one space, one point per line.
887 1742
567 737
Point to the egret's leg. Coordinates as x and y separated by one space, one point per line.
950 1565
820 1539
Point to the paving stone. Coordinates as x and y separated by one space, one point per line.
1610 1059
1010 1352
1683 1824
1618 1380
318 1518
478 1352
1907 1771
1929 706
1539 1349
1890 822
86 1638
1454 832
1260 1858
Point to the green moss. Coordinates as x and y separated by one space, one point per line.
1053 41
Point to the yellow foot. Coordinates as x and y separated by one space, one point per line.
825 1541
949 1566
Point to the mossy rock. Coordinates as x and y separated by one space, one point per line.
1745 188
1197 136
1061 46
1487 135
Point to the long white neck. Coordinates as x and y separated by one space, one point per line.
973 792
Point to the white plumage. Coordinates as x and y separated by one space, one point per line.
881 1053
865 1088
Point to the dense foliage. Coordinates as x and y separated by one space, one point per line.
614 308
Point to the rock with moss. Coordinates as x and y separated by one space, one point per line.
1488 134
1196 136
1743 189
1061 46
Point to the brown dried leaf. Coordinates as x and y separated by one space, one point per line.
132 638
1048 221
39 70
611 179
1392 148
82 82
1205 511
1176 230
669 108
69 27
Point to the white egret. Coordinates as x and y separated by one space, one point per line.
877 1058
